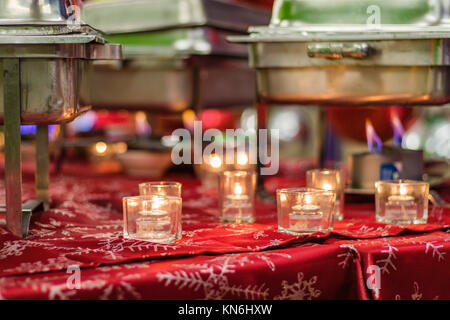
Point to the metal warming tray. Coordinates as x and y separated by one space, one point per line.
42 57
175 58
353 53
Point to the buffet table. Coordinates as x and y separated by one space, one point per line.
213 260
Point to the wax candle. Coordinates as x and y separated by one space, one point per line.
236 196
305 210
401 201
153 218
332 180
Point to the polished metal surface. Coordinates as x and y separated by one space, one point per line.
360 12
36 11
42 175
170 84
49 90
13 166
195 41
143 15
413 72
345 68
350 85
176 55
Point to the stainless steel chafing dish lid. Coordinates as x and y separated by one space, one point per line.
143 15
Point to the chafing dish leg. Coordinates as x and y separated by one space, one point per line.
42 165
13 170
321 135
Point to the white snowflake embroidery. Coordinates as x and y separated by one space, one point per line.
388 261
13 248
435 250
57 263
213 278
416 295
300 290
347 256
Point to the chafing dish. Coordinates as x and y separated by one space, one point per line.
116 17
353 53
175 55
43 57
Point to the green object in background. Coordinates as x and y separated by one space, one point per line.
351 11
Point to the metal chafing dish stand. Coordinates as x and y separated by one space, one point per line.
43 59
175 55
352 53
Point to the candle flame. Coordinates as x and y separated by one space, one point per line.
397 126
242 158
237 189
372 137
156 203
326 186
308 199
101 147
215 161
403 190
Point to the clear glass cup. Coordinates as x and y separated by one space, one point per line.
329 179
153 218
401 201
169 188
305 210
237 196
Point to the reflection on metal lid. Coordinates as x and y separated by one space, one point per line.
37 11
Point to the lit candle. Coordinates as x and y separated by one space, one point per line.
153 222
304 210
152 218
402 197
215 162
401 201
331 180
236 196
305 215
242 158
401 206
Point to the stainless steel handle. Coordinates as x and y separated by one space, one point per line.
339 50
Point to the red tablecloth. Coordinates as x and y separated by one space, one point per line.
214 260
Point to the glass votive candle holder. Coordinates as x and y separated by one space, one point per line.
329 179
152 218
163 188
237 196
401 201
305 210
